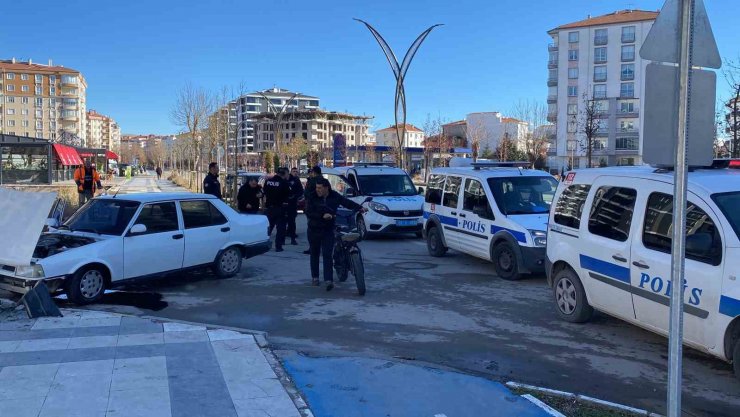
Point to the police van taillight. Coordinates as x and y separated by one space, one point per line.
726 163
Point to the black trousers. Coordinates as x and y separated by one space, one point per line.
276 216
291 212
322 243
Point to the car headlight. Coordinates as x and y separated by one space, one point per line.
377 206
30 271
539 237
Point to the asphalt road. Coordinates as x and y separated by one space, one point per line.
451 312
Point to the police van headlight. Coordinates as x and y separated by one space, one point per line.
377 206
539 238
30 271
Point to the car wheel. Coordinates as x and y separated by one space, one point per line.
505 262
570 297
229 262
736 358
434 243
362 228
87 285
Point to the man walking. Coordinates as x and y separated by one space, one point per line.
321 210
87 178
248 199
159 173
313 175
277 192
296 192
211 185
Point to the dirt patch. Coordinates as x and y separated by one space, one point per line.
573 407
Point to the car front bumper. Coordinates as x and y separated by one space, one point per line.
380 224
534 259
22 285
250 251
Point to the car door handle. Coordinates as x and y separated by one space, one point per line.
178 236
641 265
619 258
454 213
462 214
225 229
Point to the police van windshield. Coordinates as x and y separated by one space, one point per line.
729 203
395 185
523 195
103 216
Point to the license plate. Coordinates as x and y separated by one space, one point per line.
405 222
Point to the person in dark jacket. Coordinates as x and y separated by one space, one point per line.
296 193
321 210
277 192
313 175
159 173
211 185
248 199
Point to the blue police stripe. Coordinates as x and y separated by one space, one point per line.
729 306
519 236
450 221
606 268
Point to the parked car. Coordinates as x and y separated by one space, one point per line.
113 239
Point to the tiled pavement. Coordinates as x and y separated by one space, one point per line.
105 365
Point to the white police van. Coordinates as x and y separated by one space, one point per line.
609 244
493 211
396 205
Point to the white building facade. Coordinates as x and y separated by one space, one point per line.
598 59
389 137
490 128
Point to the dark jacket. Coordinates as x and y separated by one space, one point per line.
310 187
251 196
296 190
317 206
211 185
277 192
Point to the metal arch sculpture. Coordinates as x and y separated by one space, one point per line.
399 71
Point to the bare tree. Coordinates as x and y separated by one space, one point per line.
731 72
475 132
589 124
537 138
193 105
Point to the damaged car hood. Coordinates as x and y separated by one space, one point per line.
23 220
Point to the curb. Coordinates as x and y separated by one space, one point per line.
549 410
579 397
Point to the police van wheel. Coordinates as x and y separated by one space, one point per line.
362 228
570 297
434 243
505 262
736 358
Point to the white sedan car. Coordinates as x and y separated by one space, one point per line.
113 239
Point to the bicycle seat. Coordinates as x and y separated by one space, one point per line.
350 237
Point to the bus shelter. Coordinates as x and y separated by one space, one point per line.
25 160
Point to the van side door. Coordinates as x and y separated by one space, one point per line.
449 211
475 219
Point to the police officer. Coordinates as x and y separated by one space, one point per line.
211 185
296 193
313 175
277 192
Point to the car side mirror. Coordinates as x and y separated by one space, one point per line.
351 192
52 222
137 229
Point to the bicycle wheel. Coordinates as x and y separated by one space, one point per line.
358 270
339 264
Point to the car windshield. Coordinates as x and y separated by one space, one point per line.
729 203
523 195
386 185
103 216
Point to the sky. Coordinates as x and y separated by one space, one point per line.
136 55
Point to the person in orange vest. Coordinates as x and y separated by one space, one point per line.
87 179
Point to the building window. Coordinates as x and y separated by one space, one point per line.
39 102
10 112
314 103
627 107
599 55
552 74
39 78
628 72
553 58
572 91
69 79
10 87
573 73
276 101
572 127
627 90
573 55
627 125
9 99
628 53
572 37
572 108
38 90
24 112
600 91
599 144
11 123
24 77
627 144
24 88
600 73
601 37
10 76
24 100
628 34
52 91
52 79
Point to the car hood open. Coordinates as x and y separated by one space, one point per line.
24 220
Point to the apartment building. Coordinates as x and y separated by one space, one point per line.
414 137
102 132
488 129
272 100
598 59
317 127
43 101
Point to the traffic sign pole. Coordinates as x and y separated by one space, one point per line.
678 244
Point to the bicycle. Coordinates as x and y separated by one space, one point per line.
347 255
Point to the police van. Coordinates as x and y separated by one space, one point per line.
609 244
494 211
396 205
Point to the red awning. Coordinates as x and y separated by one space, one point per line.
111 155
67 155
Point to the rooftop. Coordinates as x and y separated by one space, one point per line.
392 128
455 123
620 16
310 114
511 120
29 66
280 92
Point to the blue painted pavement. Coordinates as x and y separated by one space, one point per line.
358 387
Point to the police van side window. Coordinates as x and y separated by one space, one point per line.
703 241
611 213
570 205
434 189
452 192
475 200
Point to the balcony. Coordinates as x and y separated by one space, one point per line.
602 131
628 56
600 60
552 99
552 47
601 40
635 112
552 64
552 81
626 94
628 131
599 78
71 93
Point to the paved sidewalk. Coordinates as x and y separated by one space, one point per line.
105 365
147 184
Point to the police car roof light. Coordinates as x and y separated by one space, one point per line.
507 164
373 164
